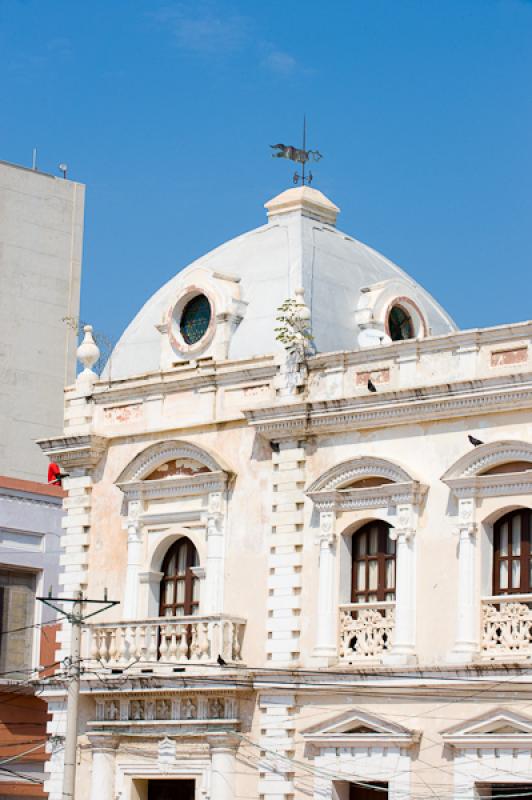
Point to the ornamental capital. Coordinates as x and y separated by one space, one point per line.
466 530
401 534
327 532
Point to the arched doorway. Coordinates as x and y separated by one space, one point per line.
179 585
373 570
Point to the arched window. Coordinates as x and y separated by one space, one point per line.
373 577
512 557
400 324
179 585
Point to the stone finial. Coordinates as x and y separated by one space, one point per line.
304 200
88 353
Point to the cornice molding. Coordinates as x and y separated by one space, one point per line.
75 452
391 409
199 484
372 497
458 340
480 486
193 375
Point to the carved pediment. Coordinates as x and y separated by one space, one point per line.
494 469
498 728
152 458
364 482
170 469
350 473
359 729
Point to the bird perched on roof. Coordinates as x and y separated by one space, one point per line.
371 386
221 661
474 442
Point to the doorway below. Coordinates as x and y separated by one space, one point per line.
171 789
513 791
378 791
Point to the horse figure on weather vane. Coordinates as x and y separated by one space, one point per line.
299 156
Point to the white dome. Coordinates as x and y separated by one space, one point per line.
348 287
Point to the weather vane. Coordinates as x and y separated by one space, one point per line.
300 156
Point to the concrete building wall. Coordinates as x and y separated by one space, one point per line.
41 236
30 527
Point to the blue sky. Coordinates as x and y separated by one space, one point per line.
422 109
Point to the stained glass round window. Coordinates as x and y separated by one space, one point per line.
195 319
400 324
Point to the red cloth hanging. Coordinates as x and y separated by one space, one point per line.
54 474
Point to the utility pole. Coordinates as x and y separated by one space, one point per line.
74 672
76 617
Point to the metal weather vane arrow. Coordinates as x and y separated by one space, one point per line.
299 156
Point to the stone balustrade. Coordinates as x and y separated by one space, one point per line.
165 641
365 631
506 627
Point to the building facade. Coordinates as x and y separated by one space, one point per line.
30 526
41 236
324 584
41 231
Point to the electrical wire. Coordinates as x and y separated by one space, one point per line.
34 625
18 756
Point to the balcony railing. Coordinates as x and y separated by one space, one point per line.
365 631
506 627
165 641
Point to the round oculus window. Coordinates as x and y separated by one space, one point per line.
400 324
195 319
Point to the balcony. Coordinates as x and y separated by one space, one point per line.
365 631
165 642
506 633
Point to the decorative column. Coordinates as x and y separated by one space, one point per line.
467 645
215 555
134 559
103 766
223 767
326 638
404 639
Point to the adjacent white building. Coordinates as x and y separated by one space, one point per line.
41 236
325 587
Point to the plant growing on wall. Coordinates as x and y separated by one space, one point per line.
293 329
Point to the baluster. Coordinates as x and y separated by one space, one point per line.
112 645
194 644
172 650
183 644
95 644
104 650
122 645
203 641
140 642
163 647
152 643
